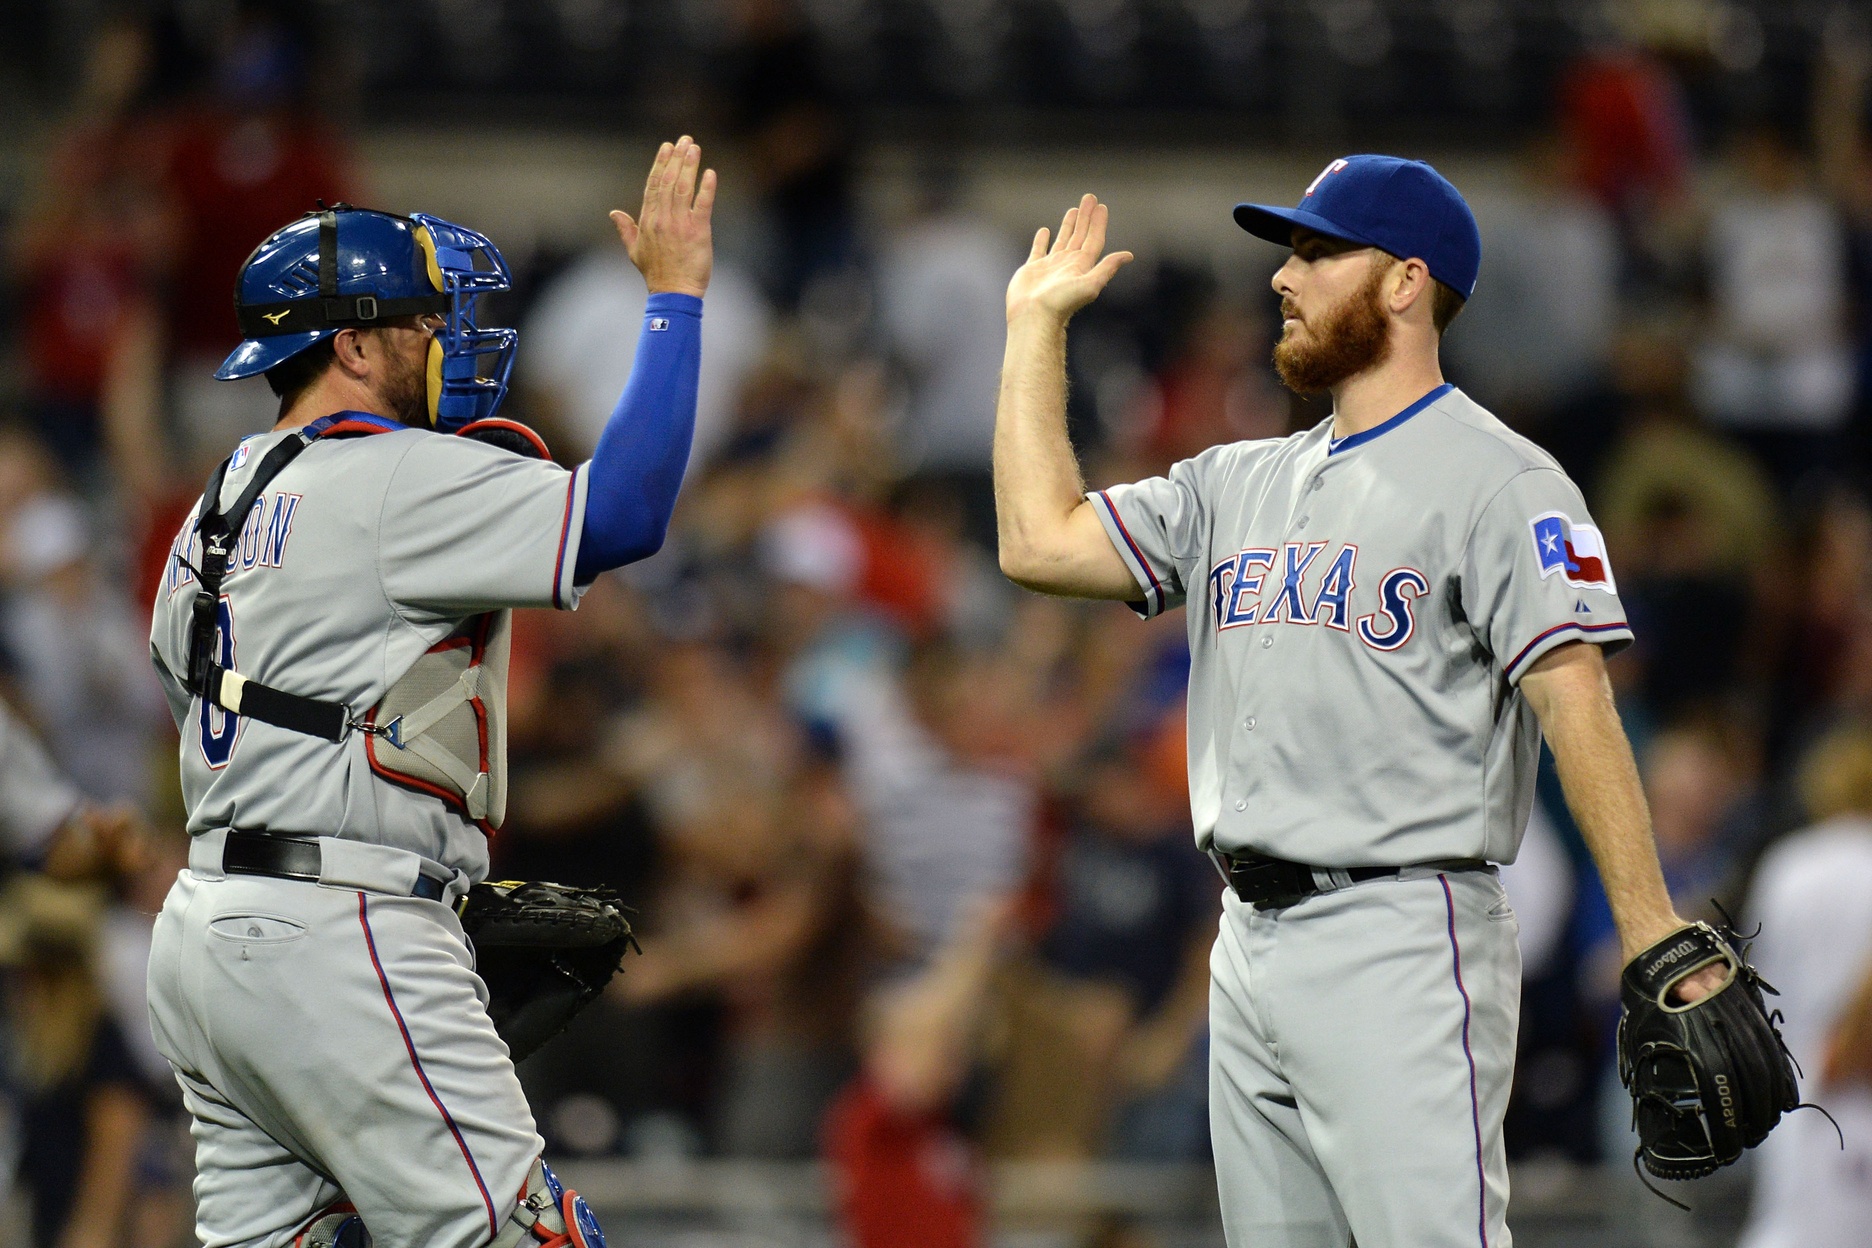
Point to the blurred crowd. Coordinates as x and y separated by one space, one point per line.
910 848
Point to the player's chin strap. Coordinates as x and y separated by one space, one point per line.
207 678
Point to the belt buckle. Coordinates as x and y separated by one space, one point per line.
1269 883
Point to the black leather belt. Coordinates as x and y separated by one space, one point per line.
295 858
1266 883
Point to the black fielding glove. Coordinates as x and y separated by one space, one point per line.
545 952
1710 1078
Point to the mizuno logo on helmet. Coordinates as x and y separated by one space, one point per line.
274 318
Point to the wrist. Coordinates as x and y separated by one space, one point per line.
691 289
1033 318
1637 937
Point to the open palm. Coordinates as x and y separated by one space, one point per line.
1070 274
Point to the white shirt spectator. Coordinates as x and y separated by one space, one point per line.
35 800
1813 898
942 286
1539 330
1778 359
1539 883
581 340
81 652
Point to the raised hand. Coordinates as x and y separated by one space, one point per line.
671 241
1059 280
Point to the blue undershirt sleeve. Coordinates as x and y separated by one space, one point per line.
638 466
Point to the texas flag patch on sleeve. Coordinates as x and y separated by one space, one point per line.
1575 551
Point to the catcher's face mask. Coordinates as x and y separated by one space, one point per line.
464 266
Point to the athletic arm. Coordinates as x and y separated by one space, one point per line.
1569 691
1050 538
638 465
114 1119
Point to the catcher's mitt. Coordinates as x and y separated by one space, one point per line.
544 951
1707 1079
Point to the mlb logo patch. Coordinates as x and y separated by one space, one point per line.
240 455
658 324
1576 551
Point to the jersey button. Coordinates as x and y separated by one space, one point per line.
1241 805
1249 723
1266 642
1303 521
1317 482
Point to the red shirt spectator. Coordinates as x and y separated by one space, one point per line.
237 177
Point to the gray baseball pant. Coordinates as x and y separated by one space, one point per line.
332 1043
1361 1049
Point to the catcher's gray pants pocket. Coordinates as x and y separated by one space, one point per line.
350 1059
1361 1050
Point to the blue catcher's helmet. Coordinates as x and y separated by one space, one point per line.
349 268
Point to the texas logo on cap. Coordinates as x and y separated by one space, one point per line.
1576 551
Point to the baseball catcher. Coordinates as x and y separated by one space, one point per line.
341 996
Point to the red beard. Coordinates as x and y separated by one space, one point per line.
1346 341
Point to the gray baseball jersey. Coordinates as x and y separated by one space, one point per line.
372 546
1360 614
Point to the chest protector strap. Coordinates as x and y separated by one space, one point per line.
207 679
442 726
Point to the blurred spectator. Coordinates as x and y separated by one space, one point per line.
1537 335
1214 387
1777 368
581 340
78 647
1691 522
1105 1029
1823 663
1539 883
247 157
778 925
1624 113
1812 896
934 765
904 1176
798 140
941 281
82 1106
89 249
163 1213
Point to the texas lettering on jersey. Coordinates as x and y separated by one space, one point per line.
262 544
1261 585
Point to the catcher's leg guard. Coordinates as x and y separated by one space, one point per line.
337 1225
549 1215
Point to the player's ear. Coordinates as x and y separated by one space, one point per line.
1410 285
354 350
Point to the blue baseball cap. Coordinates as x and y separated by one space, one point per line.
1401 206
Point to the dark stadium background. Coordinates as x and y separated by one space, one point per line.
881 811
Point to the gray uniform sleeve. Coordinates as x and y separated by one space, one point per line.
34 798
1535 574
1158 527
470 527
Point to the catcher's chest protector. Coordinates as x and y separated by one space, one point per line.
442 727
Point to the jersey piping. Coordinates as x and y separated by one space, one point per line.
1156 587
1333 447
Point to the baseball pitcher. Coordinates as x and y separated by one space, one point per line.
1385 612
